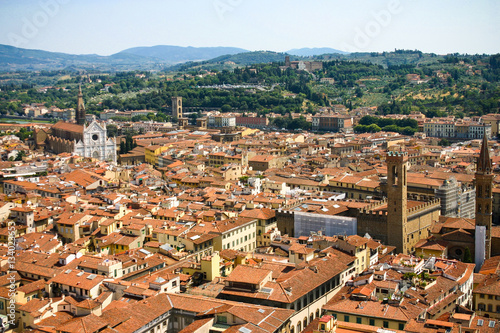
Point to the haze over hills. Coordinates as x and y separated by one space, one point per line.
178 54
13 58
308 52
174 58
137 58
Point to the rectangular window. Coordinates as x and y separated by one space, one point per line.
372 322
385 324
401 326
346 318
358 320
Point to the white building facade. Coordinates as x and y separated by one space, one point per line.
96 144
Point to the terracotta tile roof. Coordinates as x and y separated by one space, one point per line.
33 287
299 281
87 324
195 325
490 286
457 223
61 125
375 309
431 245
491 266
35 304
248 274
56 319
357 240
72 279
28 268
262 213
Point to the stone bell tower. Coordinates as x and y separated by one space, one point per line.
397 212
80 109
484 198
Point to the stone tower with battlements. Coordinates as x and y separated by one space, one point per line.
397 212
80 109
484 199
177 108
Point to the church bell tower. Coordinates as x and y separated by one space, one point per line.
484 199
397 213
80 109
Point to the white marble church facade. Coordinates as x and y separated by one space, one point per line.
95 143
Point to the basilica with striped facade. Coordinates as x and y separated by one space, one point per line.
80 138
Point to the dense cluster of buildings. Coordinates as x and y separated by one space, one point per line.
215 228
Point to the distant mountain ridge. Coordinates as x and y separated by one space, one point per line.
14 58
142 58
309 52
178 54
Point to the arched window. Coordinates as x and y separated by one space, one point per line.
304 322
481 307
299 327
317 313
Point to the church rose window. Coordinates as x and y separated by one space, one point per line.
95 137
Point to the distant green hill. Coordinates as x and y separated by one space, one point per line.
248 58
386 59
230 61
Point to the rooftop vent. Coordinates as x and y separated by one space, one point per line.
267 290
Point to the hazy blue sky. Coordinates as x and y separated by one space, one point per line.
109 26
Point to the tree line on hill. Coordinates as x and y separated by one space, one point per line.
370 124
